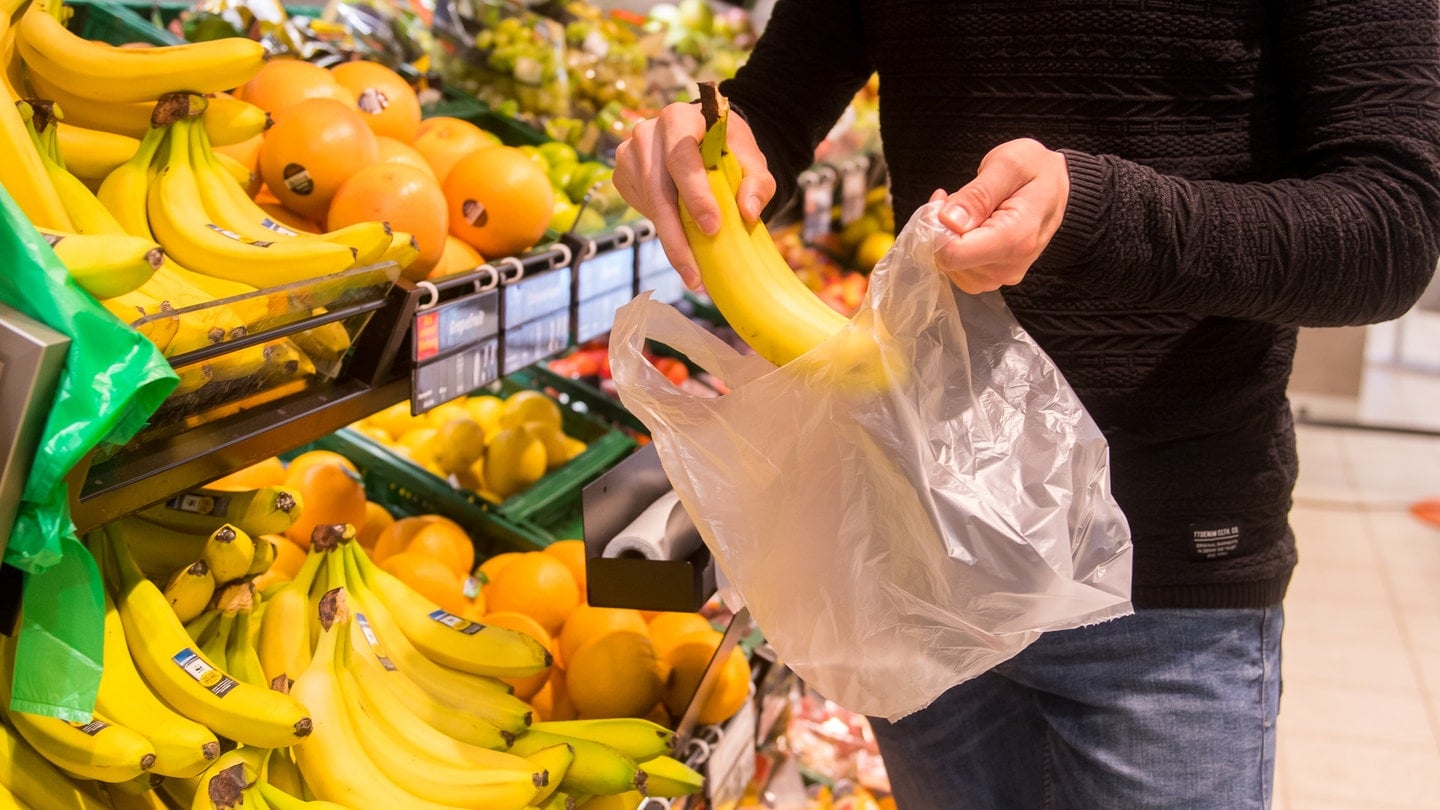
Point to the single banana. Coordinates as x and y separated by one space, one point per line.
667 777
216 646
97 749
553 762
189 590
243 363
283 774
403 251
326 343
25 177
449 639
596 769
264 555
34 780
240 650
446 783
91 154
282 800
179 219
110 73
84 211
202 627
230 120
165 657
263 510
143 313
224 784
229 551
636 737
105 265
386 640
284 641
335 765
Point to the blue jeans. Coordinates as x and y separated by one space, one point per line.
1161 709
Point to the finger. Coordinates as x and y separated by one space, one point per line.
938 195
757 185
974 202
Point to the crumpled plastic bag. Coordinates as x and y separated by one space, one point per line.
891 543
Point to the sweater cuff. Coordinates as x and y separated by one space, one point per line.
1083 209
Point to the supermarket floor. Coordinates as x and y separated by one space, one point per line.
1360 714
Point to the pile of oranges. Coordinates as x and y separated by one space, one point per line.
349 145
609 662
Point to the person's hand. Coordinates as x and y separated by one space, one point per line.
1004 218
659 164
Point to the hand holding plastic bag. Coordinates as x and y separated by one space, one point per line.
891 544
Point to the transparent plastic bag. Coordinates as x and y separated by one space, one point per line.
891 544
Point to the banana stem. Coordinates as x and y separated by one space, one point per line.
716 109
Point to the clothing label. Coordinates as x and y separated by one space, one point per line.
204 674
1214 542
454 622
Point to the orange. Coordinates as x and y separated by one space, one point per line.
528 686
330 493
490 567
445 541
284 82
288 556
457 257
687 661
267 472
430 578
396 537
404 196
309 457
499 200
393 151
667 628
377 520
614 675
317 145
388 102
537 585
572 553
445 140
246 152
587 623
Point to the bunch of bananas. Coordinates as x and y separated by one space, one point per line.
758 292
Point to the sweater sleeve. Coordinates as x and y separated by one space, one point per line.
805 68
1347 233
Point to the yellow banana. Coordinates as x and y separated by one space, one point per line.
264 557
667 778
403 250
158 551
142 312
387 641
636 737
326 343
34 780
97 749
283 774
193 377
552 763
285 362
284 642
138 794
335 765
224 784
429 778
279 799
91 154
450 640
25 177
215 648
228 120
110 73
84 211
164 655
105 264
227 202
263 510
183 747
597 768
240 651
229 552
760 296
189 590
180 222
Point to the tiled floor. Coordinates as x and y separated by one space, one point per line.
1360 714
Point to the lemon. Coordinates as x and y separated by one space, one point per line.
457 443
557 451
454 409
514 461
394 420
486 410
529 406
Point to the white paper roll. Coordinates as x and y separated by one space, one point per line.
662 532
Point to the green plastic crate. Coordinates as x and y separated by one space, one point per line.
116 24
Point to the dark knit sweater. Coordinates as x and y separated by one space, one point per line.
1237 170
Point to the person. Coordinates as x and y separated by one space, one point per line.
1164 191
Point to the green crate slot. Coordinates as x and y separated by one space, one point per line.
117 24
595 401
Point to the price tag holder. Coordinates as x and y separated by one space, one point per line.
818 186
537 295
596 316
666 285
454 375
650 259
604 272
533 341
456 349
853 189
